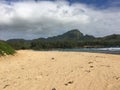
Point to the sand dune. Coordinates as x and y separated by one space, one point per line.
32 70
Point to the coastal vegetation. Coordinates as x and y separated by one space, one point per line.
6 49
70 39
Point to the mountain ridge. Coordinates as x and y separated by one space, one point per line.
71 39
71 34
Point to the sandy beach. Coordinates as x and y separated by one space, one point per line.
52 70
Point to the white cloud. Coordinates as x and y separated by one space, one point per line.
46 18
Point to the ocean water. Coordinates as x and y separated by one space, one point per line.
112 50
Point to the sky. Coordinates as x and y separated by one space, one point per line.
30 19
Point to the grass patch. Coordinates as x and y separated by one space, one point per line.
6 49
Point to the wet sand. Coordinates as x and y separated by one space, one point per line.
52 70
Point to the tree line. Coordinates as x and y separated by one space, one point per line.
70 39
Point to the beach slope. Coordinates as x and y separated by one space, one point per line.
52 70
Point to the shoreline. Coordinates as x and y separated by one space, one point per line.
98 52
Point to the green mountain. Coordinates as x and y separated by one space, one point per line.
112 37
74 34
19 43
71 39
71 35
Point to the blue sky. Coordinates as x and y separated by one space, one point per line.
91 2
97 3
28 19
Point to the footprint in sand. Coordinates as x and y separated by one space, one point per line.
90 62
18 77
53 59
6 86
91 66
70 82
115 77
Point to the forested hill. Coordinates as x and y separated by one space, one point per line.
71 39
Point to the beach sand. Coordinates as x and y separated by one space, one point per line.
52 70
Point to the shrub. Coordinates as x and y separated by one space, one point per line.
6 49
